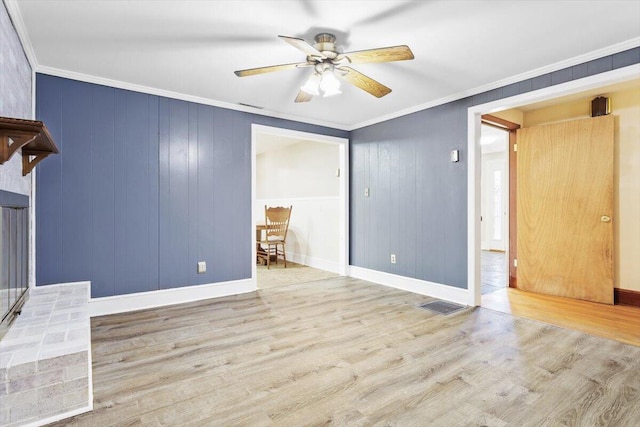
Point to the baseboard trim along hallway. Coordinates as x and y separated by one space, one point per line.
144 300
409 284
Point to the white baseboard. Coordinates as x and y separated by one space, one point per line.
319 263
422 287
143 300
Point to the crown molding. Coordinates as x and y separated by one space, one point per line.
16 17
57 72
576 60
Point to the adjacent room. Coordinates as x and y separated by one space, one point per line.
285 213
304 176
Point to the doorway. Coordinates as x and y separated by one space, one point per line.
288 170
494 143
592 83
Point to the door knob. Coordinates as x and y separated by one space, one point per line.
605 218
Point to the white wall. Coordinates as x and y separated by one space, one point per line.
303 175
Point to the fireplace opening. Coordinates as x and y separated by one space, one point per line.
14 256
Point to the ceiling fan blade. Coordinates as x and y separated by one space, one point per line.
270 69
303 97
364 82
302 45
383 54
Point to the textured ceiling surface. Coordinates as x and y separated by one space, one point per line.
193 47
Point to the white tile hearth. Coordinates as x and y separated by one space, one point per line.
45 357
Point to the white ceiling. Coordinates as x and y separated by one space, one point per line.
193 47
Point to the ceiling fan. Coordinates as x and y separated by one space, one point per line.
327 60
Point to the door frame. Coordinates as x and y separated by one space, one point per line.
473 149
343 153
512 230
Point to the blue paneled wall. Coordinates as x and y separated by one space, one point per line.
417 207
144 187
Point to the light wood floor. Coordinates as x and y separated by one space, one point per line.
277 275
347 352
617 322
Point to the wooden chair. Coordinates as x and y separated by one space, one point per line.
277 224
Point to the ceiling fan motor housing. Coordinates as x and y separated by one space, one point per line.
326 43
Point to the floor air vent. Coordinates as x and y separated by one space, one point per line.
442 307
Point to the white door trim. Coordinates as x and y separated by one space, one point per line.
473 154
343 150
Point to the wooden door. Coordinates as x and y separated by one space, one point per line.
565 209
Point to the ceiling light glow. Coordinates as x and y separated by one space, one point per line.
330 85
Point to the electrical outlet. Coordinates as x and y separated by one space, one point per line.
202 267
393 258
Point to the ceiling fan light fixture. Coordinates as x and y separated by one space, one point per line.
312 85
330 85
325 57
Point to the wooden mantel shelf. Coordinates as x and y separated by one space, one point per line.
30 135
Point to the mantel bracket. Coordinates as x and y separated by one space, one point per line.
13 141
30 135
30 158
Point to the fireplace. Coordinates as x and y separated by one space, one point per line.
14 256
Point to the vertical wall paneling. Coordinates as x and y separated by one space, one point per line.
49 233
151 261
455 185
199 209
103 191
178 193
164 201
432 195
120 207
144 187
193 224
407 214
356 208
205 192
241 156
136 189
383 203
222 217
77 220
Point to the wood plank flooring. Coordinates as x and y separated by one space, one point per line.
348 352
617 322
277 276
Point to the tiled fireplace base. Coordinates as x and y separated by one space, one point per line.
45 358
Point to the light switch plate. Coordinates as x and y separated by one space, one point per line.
455 156
366 192
202 267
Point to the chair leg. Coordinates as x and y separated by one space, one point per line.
268 256
284 256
